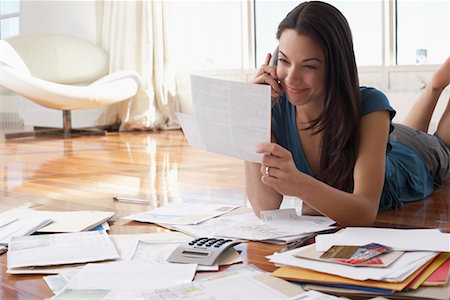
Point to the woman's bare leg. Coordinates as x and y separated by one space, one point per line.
419 116
443 129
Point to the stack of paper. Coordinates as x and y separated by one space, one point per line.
277 226
414 255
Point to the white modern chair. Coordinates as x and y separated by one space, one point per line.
62 73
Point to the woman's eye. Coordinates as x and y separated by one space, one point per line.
282 60
310 67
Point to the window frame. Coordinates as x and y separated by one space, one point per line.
389 53
10 16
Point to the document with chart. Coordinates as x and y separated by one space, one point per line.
230 118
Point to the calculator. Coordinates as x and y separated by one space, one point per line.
202 251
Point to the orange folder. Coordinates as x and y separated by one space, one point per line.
310 276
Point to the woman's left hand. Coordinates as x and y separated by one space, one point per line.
279 170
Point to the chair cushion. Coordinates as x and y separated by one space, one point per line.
61 59
9 57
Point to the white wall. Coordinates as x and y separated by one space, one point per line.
74 18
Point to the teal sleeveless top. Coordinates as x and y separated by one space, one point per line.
406 177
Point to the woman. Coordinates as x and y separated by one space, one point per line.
334 145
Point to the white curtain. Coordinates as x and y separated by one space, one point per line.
133 34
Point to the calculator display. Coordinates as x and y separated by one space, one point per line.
195 253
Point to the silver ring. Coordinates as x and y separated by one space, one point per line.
267 170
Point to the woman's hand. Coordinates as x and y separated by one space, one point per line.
278 169
268 75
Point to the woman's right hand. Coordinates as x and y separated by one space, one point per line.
268 75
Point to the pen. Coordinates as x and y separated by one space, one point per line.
131 200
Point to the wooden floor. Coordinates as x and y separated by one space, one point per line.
86 172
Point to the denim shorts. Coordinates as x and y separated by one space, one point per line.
434 151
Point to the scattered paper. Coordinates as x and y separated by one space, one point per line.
214 227
182 213
58 249
21 228
128 277
63 221
247 283
277 224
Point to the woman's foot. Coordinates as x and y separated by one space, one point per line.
441 78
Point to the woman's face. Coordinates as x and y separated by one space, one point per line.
301 68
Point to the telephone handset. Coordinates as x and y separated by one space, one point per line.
273 63
274 59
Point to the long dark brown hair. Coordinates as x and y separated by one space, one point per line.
340 118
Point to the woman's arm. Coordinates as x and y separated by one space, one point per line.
261 196
348 209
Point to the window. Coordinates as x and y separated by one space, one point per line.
204 35
9 18
420 31
366 27
423 32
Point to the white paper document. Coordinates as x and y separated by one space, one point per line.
230 118
63 221
398 239
61 248
182 213
4 220
21 227
126 243
59 281
125 279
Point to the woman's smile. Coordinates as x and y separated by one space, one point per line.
295 91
